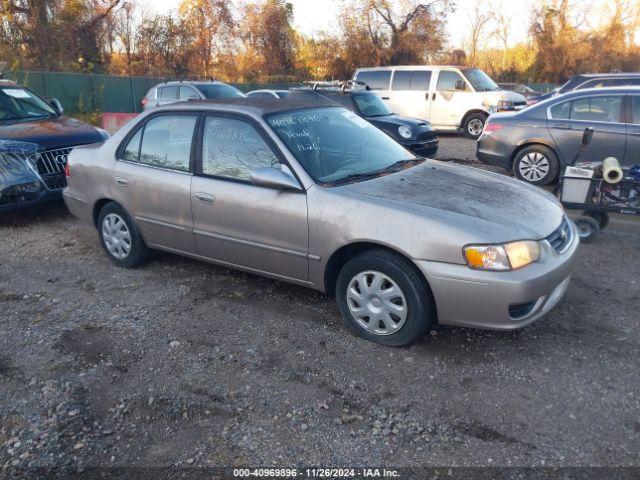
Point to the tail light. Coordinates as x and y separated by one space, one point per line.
489 128
144 102
67 169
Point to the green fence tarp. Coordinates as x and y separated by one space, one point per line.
89 93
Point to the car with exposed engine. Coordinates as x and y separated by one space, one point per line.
308 192
412 133
451 98
35 141
176 91
538 142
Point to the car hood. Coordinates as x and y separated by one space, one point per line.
494 97
52 132
496 207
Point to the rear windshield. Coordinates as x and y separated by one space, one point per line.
219 90
371 105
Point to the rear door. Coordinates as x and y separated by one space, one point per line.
152 180
410 95
604 113
236 222
632 154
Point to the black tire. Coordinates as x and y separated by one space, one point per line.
588 228
538 153
138 253
469 127
601 217
420 307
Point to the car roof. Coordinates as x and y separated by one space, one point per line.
607 75
608 90
190 82
256 105
411 67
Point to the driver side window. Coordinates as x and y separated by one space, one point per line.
233 149
449 81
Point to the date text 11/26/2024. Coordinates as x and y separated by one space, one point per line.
315 473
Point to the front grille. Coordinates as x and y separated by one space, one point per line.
50 165
561 237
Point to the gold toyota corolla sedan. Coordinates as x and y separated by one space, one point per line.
308 192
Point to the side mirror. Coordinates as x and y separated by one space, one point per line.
57 106
271 177
460 85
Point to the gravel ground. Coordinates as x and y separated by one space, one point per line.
187 364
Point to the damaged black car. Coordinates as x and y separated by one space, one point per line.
35 140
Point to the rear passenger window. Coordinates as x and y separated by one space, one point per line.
377 80
168 93
132 150
233 149
411 80
187 93
561 110
166 141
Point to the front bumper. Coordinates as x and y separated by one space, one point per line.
13 202
500 300
423 149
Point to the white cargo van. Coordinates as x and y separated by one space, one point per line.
451 98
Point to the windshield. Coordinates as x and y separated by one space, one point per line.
370 105
220 90
19 104
481 81
335 145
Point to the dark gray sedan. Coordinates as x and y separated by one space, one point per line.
537 142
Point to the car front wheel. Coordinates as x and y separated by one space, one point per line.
473 125
120 237
381 297
537 165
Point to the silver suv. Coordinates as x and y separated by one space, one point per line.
180 91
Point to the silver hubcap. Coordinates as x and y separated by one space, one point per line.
116 236
376 303
475 127
583 230
534 166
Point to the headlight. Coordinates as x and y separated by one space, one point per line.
509 256
405 132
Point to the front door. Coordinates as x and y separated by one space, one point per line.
632 154
152 180
568 120
410 95
238 223
450 101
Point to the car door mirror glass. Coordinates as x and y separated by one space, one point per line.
271 177
460 85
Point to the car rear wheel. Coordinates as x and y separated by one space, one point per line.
537 165
473 125
381 297
120 238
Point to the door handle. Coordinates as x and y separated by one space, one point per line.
385 98
563 126
433 97
204 197
123 182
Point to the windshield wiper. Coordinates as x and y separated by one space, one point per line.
23 119
394 167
